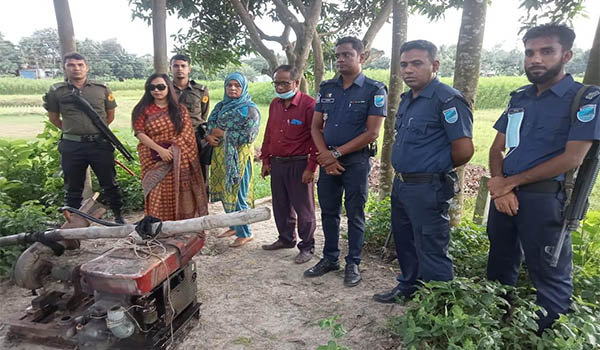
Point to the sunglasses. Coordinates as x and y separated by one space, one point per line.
160 87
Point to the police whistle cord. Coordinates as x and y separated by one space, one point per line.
198 224
87 108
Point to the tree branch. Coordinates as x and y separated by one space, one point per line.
254 35
378 22
286 16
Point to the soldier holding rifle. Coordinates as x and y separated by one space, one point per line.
82 142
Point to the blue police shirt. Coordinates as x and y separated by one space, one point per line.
345 112
537 128
426 126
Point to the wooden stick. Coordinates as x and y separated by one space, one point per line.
168 227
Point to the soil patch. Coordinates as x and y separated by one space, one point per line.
253 299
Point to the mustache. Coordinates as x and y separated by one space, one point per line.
536 67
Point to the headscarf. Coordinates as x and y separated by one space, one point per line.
231 114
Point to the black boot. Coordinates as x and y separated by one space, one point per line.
118 217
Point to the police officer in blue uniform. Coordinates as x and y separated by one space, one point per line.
348 115
433 135
527 184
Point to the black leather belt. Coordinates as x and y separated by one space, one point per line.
545 186
82 138
415 178
288 159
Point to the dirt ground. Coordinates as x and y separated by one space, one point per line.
253 299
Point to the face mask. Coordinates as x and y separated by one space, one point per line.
286 95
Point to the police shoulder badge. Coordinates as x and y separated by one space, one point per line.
379 101
592 94
450 115
586 113
204 99
111 97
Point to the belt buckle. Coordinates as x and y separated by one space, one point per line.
399 176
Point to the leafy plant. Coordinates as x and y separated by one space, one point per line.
337 332
378 220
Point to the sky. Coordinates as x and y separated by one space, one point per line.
106 19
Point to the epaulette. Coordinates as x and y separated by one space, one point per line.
60 84
595 91
447 93
519 90
378 84
197 86
98 83
325 82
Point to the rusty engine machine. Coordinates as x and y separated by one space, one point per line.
116 298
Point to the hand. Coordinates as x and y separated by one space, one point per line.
165 154
308 177
265 171
507 204
218 132
335 168
212 140
326 158
499 186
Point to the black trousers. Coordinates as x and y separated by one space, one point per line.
74 160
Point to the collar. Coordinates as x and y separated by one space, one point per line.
559 89
428 90
295 100
87 82
359 80
188 86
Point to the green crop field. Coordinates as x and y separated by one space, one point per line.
22 115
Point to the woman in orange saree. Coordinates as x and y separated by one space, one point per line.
171 175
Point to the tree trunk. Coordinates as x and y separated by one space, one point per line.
466 75
399 31
592 72
66 37
375 26
64 23
318 64
159 33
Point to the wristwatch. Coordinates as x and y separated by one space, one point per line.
336 153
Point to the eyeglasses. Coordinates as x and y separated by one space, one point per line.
160 87
283 84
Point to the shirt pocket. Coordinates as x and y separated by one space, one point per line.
414 130
551 132
295 128
358 113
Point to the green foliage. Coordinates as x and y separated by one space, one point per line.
31 187
472 313
29 216
377 221
337 332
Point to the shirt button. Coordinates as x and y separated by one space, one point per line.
336 125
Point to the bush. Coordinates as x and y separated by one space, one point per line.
377 220
472 313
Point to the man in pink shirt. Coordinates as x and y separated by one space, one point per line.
289 156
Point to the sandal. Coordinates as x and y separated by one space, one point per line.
227 233
240 241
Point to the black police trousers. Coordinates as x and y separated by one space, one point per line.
74 160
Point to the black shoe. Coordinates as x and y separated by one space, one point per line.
389 297
352 275
321 268
119 220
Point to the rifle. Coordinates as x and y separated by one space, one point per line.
579 203
577 194
87 108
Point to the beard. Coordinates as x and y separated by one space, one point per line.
550 74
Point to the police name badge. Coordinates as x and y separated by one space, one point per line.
379 101
450 115
586 113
